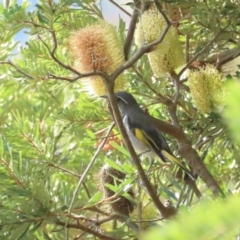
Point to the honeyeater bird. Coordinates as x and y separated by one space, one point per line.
143 133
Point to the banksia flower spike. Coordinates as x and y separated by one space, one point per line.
205 87
167 55
97 48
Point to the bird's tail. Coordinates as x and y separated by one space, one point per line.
172 159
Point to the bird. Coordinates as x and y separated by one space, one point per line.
145 137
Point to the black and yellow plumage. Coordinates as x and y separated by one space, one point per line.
144 135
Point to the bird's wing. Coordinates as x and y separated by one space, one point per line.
152 138
155 140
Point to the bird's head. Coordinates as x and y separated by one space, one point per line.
125 101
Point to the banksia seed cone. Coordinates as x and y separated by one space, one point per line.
97 48
205 87
112 176
168 54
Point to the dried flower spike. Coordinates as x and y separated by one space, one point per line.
97 48
109 175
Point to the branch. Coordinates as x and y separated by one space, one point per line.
37 219
80 75
190 154
199 53
142 50
172 73
14 176
121 8
86 229
6 3
58 167
159 7
17 68
197 165
52 54
32 143
225 57
176 81
167 128
131 30
162 99
88 168
34 24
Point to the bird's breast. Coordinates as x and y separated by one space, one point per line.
138 145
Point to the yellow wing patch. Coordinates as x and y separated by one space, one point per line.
140 136
143 137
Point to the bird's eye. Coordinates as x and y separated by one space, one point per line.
119 99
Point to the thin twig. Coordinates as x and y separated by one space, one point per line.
22 221
34 24
176 81
208 139
81 75
187 47
16 179
84 228
17 68
149 221
100 222
121 8
200 53
131 30
159 7
88 168
52 54
69 172
142 50
162 99
32 143
62 169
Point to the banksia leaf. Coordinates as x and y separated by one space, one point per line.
206 87
97 48
168 54
109 175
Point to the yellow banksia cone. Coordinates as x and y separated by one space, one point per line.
206 87
97 48
167 55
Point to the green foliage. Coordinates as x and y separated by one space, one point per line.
50 130
232 115
217 220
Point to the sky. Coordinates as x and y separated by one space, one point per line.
110 12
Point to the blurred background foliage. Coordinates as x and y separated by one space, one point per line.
50 129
